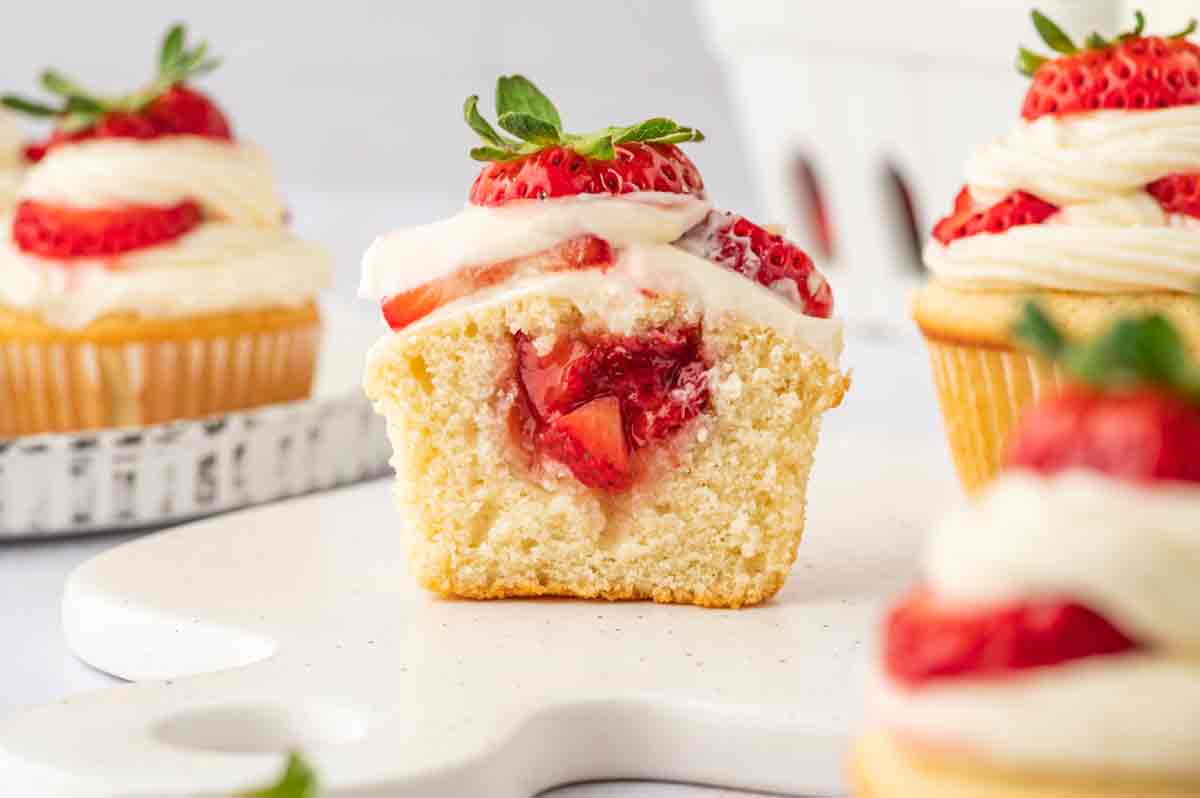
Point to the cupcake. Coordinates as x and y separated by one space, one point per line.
1053 650
1092 205
146 271
12 161
596 384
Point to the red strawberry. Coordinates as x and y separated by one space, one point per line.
403 309
658 378
1142 435
740 245
62 233
1178 193
591 442
1133 72
967 219
562 172
926 640
546 162
166 107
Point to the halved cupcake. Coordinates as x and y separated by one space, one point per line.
1054 649
597 385
147 272
1092 204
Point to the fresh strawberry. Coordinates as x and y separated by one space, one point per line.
927 640
584 252
562 172
1133 72
164 108
1144 435
1178 193
740 245
658 378
968 219
546 162
62 233
591 442
1132 411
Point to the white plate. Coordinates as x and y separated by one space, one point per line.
106 480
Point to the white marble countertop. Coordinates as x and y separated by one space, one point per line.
891 389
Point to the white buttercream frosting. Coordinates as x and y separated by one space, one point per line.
1134 713
639 227
1109 234
218 267
241 257
231 181
11 160
1130 552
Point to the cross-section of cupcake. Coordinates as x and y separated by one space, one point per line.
596 385
1052 650
147 272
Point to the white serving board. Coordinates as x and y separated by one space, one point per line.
297 625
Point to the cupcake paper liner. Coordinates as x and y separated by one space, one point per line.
983 391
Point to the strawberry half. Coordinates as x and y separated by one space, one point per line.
584 252
1132 412
1134 72
1178 193
167 107
740 245
543 162
926 640
62 233
967 219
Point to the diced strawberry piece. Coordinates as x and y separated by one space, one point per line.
1018 208
561 172
740 245
927 641
591 442
584 252
62 233
1178 193
1136 73
1144 435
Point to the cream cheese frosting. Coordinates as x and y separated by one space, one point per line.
641 229
11 160
1109 235
1129 552
242 257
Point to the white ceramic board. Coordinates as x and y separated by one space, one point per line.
297 625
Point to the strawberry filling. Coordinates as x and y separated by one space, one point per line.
968 219
63 233
926 641
592 403
1178 193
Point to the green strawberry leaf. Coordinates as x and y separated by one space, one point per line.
1139 26
172 46
1053 35
31 107
1038 332
480 125
598 147
517 94
680 136
56 83
528 127
1028 62
1097 42
1186 32
494 154
297 781
650 130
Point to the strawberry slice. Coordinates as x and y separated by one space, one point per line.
63 233
967 219
1178 193
591 442
736 243
926 640
1144 435
583 252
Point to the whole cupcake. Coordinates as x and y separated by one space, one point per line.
1053 650
12 161
1091 204
146 271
